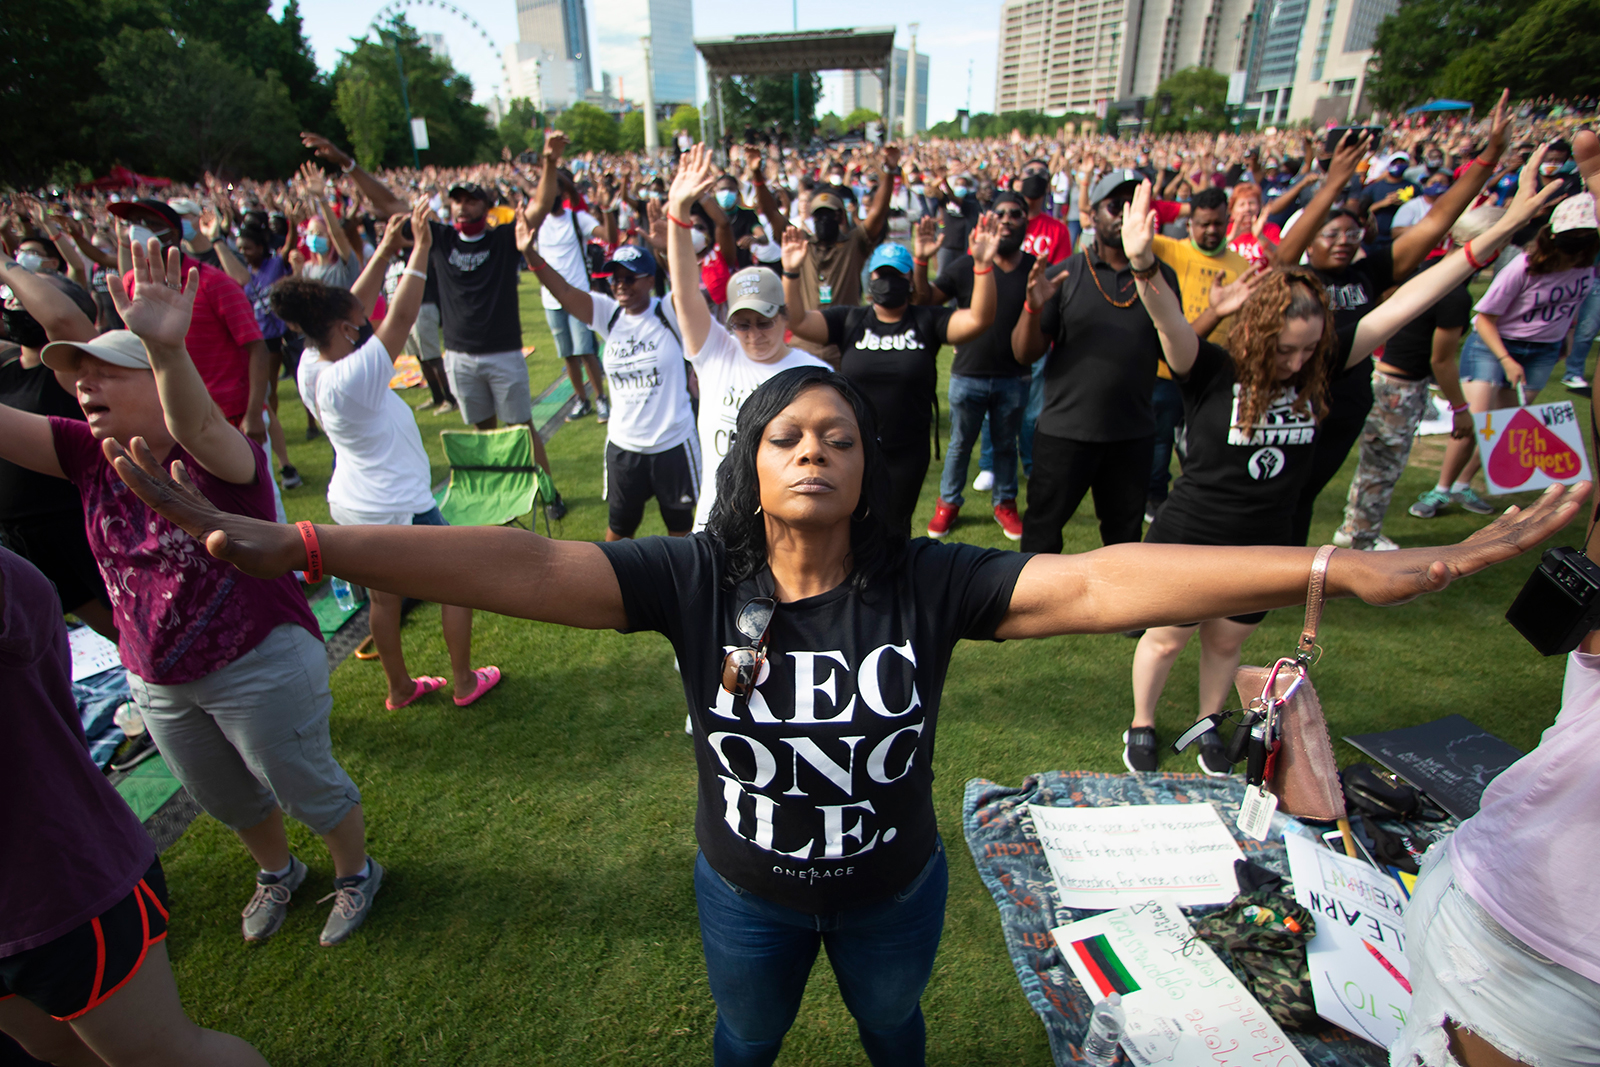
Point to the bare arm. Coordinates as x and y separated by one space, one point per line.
396 325
807 324
721 229
1341 168
573 301
924 247
1178 341
1411 246
1447 372
491 568
1028 342
26 440
776 219
1226 298
968 323
878 214
54 310
232 265
312 176
693 178
384 201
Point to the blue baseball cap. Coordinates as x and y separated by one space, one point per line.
633 259
887 255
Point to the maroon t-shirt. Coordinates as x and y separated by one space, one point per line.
70 846
181 612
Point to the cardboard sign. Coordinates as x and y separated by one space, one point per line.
1184 1007
1359 976
1107 857
1531 448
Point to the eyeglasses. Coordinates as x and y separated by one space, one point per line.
747 326
1014 215
741 667
622 278
1342 235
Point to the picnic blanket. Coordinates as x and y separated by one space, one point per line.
97 697
1012 865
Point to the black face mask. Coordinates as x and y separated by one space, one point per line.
891 292
24 329
363 335
1034 186
826 225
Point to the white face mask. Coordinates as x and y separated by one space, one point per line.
30 261
699 240
139 235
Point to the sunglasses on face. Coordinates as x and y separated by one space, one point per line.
741 667
752 326
619 278
1013 215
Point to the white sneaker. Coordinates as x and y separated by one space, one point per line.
1575 381
983 482
1341 539
1383 544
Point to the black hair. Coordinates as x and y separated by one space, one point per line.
1562 146
1343 213
254 233
875 545
311 306
1209 199
50 249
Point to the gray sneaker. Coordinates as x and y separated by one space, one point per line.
265 912
352 899
1469 499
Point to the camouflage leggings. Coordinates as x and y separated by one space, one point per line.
1397 407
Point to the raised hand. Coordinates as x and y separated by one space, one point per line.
162 305
311 175
1139 228
1227 298
421 232
326 149
1042 289
925 241
795 247
696 174
1499 127
891 155
656 218
555 145
1530 200
258 548
526 237
1342 167
984 240
392 236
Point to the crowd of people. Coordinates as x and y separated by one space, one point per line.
760 335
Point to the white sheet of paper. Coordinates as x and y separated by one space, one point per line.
1531 448
91 653
1355 905
1188 1010
1107 857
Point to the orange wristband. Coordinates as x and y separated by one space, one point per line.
990 270
680 222
308 534
1029 308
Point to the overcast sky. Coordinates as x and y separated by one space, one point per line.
952 35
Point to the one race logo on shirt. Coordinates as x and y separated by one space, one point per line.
467 261
901 342
1279 425
1265 463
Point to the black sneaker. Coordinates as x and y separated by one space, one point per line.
1214 756
137 750
1139 748
580 411
291 477
556 510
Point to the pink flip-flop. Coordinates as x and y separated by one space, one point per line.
488 678
425 685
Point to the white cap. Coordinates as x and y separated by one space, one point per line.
121 348
184 206
1573 213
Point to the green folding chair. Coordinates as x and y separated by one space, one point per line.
493 478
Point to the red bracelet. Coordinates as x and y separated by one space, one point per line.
679 221
1467 248
1029 308
915 262
1488 163
308 534
975 270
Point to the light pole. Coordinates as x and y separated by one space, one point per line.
405 97
911 84
652 139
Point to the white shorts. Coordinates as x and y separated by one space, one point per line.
1467 969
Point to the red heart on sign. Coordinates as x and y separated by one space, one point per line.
1526 447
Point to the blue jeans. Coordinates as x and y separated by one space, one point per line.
1030 419
1003 400
1583 333
572 335
759 956
1167 401
1538 359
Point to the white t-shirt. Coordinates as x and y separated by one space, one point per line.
382 468
643 359
1410 213
727 377
559 246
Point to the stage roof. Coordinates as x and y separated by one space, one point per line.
860 48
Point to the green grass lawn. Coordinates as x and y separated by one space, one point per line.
539 906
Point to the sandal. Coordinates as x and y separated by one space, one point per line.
488 678
425 685
367 649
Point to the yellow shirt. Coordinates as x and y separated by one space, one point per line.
1196 271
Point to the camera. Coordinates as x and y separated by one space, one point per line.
1560 603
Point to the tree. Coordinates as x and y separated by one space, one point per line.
1416 45
984 125
630 138
588 129
758 103
1553 49
859 118
521 128
1198 98
247 33
685 117
458 129
183 108
830 125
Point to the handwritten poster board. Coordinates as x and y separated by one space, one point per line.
91 653
1106 857
1359 977
1531 448
1184 1007
1452 759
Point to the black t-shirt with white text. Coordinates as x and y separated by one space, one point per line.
892 363
1238 488
477 279
817 792
990 354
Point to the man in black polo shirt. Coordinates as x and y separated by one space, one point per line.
985 379
1097 430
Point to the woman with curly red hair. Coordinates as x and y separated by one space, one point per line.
1253 411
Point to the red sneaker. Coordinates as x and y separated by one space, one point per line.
1005 513
944 517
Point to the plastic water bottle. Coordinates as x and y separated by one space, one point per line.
345 595
1105 1032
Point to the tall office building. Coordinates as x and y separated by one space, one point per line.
1307 59
862 89
552 61
672 54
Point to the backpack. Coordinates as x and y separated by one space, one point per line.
611 323
594 256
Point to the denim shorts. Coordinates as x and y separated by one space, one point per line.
570 333
1538 359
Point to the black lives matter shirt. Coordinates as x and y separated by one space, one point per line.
817 793
892 363
477 289
1239 487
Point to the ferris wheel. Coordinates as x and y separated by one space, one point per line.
394 9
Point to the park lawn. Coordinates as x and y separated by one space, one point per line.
539 905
